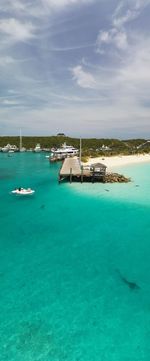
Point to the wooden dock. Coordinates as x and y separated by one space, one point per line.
70 167
72 170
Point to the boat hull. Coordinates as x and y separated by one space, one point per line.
23 192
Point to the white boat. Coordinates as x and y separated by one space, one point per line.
13 148
23 191
6 148
9 148
37 149
23 149
66 150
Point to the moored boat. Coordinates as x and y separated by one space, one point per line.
37 149
23 191
6 148
64 151
23 149
9 148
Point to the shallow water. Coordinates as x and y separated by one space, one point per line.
65 255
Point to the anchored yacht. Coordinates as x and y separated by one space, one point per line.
37 149
9 148
65 150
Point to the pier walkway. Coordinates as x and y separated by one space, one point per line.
70 166
73 170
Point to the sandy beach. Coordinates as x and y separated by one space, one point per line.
119 161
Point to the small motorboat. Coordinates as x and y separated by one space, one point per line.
23 191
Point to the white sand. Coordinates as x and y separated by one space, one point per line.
119 161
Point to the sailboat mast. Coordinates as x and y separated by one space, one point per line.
80 149
20 146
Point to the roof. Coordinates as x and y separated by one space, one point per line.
60 134
98 165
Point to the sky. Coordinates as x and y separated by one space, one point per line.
79 67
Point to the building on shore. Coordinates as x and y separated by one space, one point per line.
61 135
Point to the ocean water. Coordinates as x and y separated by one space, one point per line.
74 265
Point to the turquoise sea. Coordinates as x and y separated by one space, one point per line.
74 265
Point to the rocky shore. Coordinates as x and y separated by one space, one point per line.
116 178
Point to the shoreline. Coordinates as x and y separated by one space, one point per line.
119 161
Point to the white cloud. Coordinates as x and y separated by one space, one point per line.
62 3
46 7
9 102
136 70
39 94
117 35
17 5
40 8
83 78
6 60
122 20
16 30
114 37
104 37
7 5
97 121
128 85
127 11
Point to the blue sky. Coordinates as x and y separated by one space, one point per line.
81 67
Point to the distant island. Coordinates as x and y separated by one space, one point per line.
91 147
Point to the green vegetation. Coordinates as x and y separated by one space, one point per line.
84 159
90 147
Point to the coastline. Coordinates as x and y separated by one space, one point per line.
119 161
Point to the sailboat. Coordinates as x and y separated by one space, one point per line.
21 148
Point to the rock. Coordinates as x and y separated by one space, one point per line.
116 178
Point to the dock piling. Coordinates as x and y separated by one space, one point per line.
70 175
82 174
